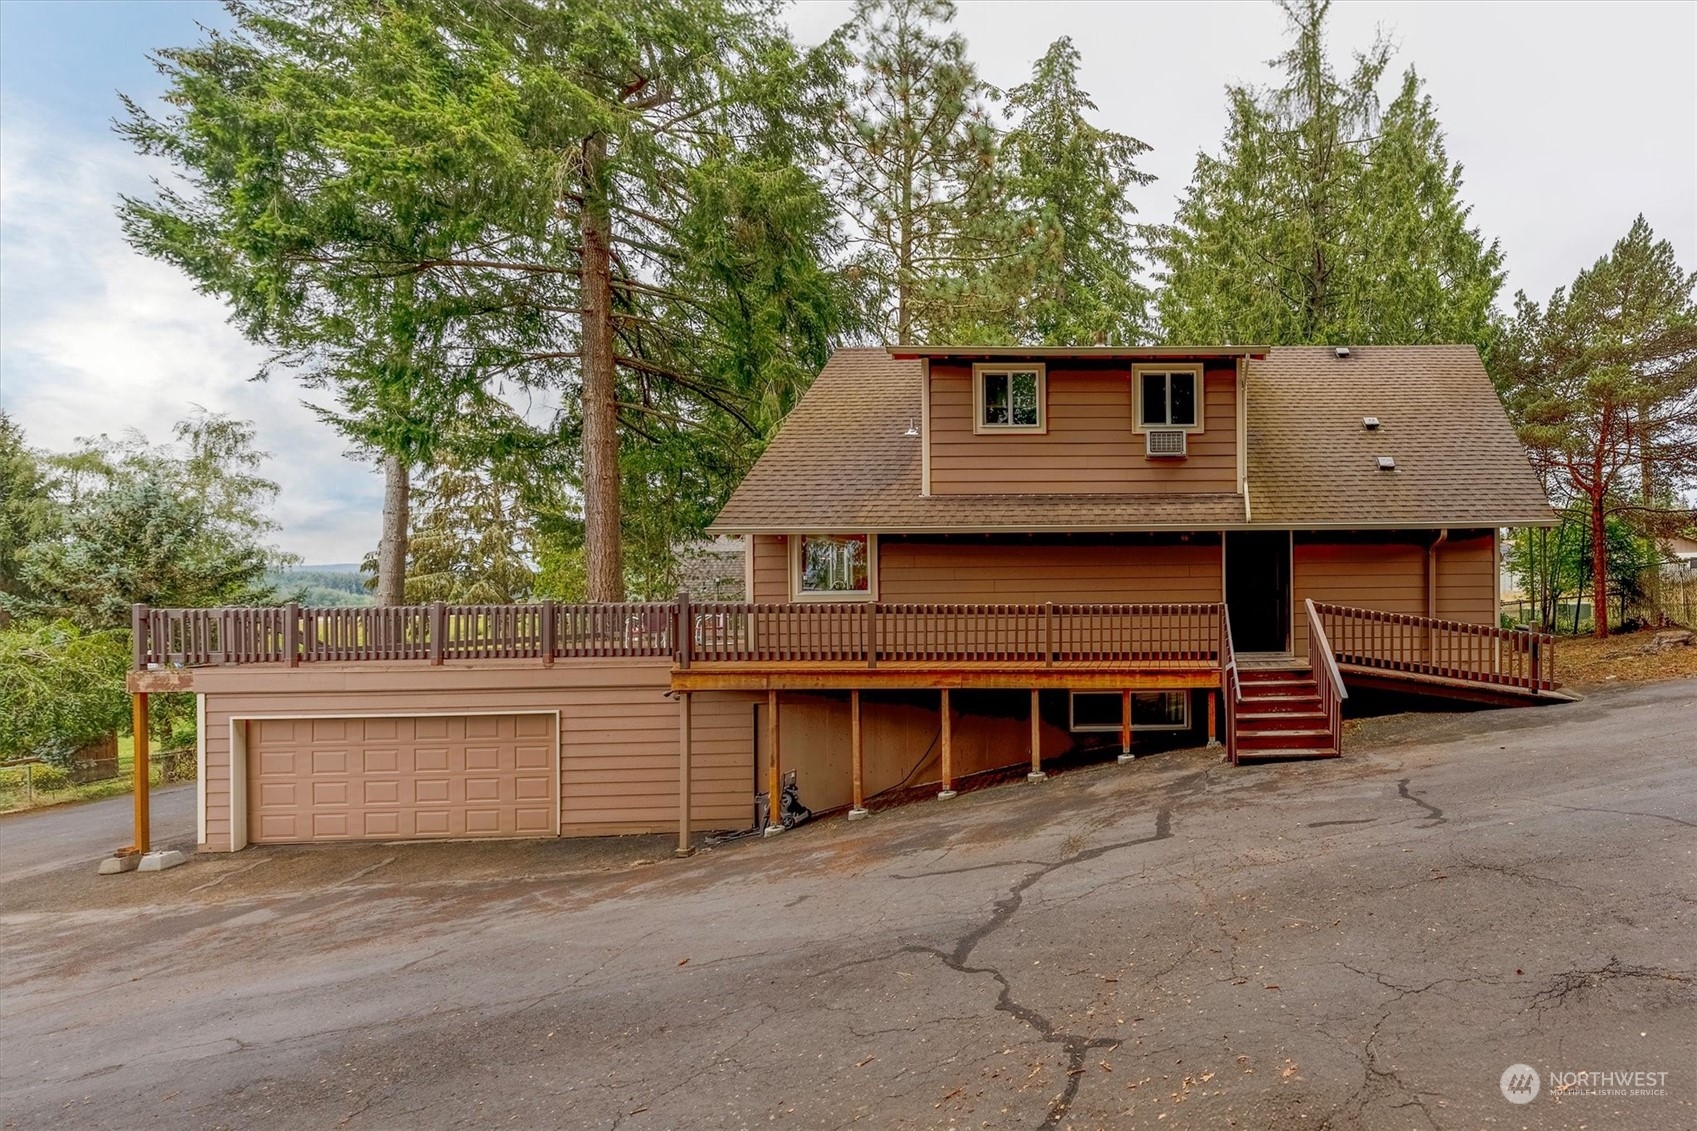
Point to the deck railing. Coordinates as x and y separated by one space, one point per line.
1472 653
867 633
1151 637
1327 679
1231 685
292 634
1163 636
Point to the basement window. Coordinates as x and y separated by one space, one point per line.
1150 710
1009 398
1168 396
834 567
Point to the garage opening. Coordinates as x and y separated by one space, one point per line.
424 777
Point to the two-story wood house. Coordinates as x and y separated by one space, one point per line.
958 561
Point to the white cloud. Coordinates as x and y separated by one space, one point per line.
96 338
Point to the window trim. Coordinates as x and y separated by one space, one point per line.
979 369
871 591
1072 713
1137 373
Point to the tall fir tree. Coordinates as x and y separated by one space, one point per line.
443 197
1325 219
913 158
1074 279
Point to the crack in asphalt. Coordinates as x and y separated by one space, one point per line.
1076 1046
1329 824
1434 815
1630 813
1567 983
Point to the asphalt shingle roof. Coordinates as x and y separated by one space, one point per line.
842 459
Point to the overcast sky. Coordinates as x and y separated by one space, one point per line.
1570 119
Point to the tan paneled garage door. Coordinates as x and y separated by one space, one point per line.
401 778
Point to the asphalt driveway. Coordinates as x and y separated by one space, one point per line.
45 840
1369 942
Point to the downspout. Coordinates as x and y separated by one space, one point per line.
1432 593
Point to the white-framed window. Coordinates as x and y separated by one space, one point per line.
834 567
1009 398
1150 710
1168 396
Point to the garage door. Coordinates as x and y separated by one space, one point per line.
401 778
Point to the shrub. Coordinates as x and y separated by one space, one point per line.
63 687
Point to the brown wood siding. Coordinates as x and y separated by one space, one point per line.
1389 575
1090 446
1467 582
975 571
619 731
771 569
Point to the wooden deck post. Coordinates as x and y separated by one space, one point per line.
855 755
774 819
683 848
948 789
1036 773
1213 730
138 721
292 634
1125 725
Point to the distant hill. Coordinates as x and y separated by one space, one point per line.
337 584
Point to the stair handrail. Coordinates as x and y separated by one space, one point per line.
1327 678
1233 687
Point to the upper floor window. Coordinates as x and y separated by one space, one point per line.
834 567
1009 398
1169 396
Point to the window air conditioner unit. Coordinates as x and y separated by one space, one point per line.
1165 442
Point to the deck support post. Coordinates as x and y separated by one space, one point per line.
774 812
858 811
1036 773
1213 729
683 848
948 789
138 720
1125 725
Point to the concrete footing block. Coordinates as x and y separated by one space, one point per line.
118 865
944 795
683 853
1124 758
859 814
1214 742
772 830
1036 776
159 861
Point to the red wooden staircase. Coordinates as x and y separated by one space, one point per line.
1283 708
1281 715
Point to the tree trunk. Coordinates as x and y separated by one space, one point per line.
603 548
1599 569
392 546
